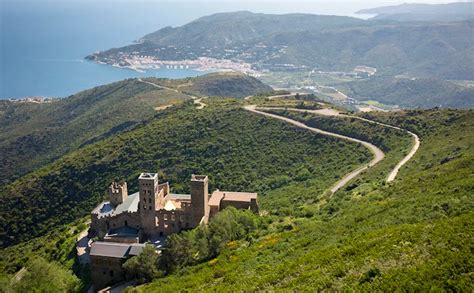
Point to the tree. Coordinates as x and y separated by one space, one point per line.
143 267
43 276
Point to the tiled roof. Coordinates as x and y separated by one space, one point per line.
118 250
232 196
109 249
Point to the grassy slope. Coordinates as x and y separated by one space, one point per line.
414 233
238 150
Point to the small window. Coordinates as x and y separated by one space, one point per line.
165 217
111 273
150 208
126 223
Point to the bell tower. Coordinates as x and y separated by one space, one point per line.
148 193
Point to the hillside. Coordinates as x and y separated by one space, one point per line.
234 28
457 11
411 93
368 235
33 134
224 84
236 149
413 233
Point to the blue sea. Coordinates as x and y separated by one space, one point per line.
43 43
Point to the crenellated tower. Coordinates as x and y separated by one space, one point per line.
118 193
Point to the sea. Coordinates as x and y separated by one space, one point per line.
43 43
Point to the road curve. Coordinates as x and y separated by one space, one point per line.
330 112
378 154
416 145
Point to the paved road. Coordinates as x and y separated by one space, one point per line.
378 154
197 101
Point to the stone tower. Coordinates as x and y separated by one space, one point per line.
118 193
148 192
199 199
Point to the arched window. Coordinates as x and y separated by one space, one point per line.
126 223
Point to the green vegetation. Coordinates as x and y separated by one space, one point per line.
411 234
228 84
206 242
327 43
143 267
32 135
42 276
414 233
237 149
195 246
411 93
394 143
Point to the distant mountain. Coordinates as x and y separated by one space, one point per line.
457 11
33 134
302 41
235 28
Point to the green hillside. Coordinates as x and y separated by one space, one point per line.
226 29
223 84
412 234
411 93
34 134
238 150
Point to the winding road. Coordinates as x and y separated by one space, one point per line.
378 154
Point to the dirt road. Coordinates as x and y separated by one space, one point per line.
378 154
